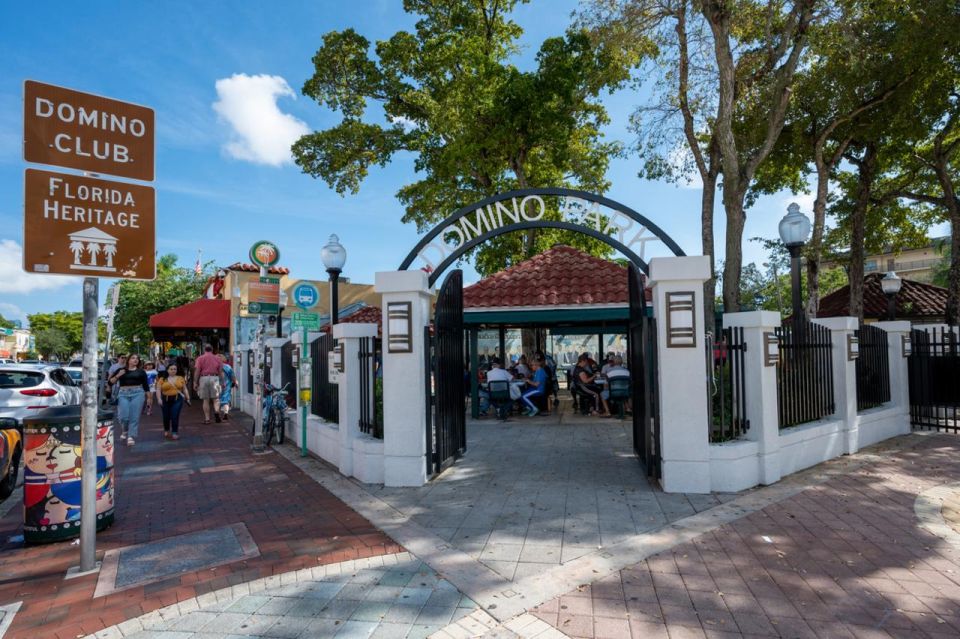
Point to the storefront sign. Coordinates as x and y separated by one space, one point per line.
86 226
88 132
264 254
263 296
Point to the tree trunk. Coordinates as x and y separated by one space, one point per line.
867 170
815 246
953 281
732 266
707 200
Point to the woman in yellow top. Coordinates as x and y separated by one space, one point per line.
172 393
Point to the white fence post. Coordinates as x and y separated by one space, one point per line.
348 337
684 431
844 378
404 375
760 387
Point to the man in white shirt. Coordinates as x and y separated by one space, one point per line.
616 369
498 374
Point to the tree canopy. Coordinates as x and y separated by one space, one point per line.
476 124
68 327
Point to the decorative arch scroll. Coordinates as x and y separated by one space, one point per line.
594 215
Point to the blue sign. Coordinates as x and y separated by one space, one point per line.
305 295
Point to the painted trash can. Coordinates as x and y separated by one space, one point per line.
51 474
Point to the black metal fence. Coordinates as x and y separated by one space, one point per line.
873 368
804 373
371 387
934 371
325 402
727 385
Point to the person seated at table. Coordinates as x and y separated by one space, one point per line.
585 378
522 369
607 364
539 384
498 374
616 369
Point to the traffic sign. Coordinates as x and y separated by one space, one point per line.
88 132
263 296
308 321
77 225
306 295
264 254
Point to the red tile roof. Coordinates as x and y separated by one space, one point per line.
365 315
252 268
915 300
561 276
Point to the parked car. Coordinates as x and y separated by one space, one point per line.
11 450
26 389
75 373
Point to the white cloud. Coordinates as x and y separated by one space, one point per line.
13 279
262 133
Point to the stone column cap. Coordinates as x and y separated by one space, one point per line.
683 268
838 323
354 330
752 319
415 281
896 326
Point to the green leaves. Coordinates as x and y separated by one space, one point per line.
476 124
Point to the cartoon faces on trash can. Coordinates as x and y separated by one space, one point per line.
51 477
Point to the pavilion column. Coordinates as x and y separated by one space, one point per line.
406 313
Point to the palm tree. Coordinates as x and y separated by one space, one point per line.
77 247
94 249
110 250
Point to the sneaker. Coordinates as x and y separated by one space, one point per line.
176 436
123 435
217 418
166 434
130 441
226 417
533 412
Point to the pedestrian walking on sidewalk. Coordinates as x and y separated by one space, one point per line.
133 392
229 383
149 369
172 393
208 382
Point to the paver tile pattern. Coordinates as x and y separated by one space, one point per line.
404 600
531 494
206 480
845 558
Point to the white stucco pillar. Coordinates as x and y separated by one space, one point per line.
760 388
348 337
844 379
899 380
404 375
276 344
684 432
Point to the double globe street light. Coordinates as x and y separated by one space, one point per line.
334 256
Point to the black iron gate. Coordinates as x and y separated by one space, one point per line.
325 401
446 394
934 368
642 344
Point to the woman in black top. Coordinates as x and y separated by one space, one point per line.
134 391
584 376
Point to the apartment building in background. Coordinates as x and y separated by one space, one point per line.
915 264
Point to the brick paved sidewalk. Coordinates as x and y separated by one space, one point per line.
847 558
208 480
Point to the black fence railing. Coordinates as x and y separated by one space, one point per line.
726 384
933 371
325 402
371 388
873 368
804 373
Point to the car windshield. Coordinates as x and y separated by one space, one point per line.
20 379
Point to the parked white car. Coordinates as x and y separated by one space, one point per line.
27 389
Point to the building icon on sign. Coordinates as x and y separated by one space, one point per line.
93 250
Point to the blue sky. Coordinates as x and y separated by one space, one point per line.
170 55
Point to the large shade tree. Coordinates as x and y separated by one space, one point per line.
449 93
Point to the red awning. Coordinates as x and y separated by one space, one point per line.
200 314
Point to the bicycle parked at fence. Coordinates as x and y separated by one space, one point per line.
274 413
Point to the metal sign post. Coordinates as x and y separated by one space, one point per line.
88 480
305 296
264 254
83 225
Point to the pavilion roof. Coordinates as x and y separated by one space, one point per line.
916 300
561 276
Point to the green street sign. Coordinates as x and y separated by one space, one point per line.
309 321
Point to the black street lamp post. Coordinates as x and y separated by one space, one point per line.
794 232
334 256
890 284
